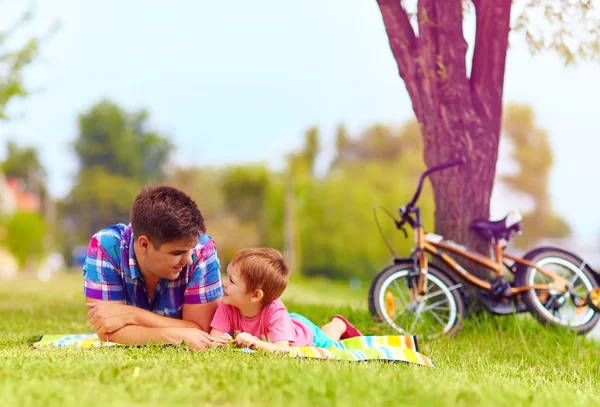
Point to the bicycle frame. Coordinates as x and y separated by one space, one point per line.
437 245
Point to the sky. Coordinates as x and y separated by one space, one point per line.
240 81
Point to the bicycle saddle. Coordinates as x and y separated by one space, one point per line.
499 229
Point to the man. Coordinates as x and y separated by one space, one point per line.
156 280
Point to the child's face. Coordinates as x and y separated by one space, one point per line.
236 293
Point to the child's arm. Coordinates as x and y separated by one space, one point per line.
246 340
221 338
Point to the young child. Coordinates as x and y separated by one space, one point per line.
253 315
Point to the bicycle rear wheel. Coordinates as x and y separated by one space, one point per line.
559 309
439 312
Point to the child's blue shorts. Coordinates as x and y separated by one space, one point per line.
320 340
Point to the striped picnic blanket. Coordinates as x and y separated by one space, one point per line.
360 348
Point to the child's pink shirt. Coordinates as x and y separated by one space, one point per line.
272 324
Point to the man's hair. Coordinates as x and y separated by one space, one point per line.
164 214
263 269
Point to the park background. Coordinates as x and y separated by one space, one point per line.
287 123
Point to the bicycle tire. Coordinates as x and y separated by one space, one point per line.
530 297
376 301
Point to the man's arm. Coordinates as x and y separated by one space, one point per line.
110 316
200 315
172 331
141 335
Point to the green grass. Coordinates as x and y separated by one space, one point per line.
496 361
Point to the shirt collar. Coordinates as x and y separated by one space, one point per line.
133 267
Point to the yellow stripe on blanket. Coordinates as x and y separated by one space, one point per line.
364 348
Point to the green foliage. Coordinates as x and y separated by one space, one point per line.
245 189
14 59
533 154
12 63
203 185
118 155
338 234
333 217
304 160
379 142
311 149
99 199
23 163
569 28
23 236
120 143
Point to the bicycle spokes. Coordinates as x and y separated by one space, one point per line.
569 307
409 311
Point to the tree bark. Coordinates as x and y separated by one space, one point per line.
458 114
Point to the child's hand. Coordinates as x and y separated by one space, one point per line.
245 340
222 340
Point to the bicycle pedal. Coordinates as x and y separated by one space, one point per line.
505 306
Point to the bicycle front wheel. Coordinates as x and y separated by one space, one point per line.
439 312
559 309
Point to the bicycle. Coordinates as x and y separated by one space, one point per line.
434 294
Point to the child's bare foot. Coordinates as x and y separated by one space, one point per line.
350 331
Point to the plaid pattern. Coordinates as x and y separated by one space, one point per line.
110 273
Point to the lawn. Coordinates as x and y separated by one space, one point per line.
493 361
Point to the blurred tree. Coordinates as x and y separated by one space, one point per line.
23 236
460 113
311 148
14 61
204 186
118 154
245 191
533 154
337 232
342 139
329 222
304 160
298 179
24 164
121 144
14 57
381 143
97 200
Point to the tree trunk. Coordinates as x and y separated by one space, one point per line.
459 115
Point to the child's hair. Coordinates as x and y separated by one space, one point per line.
263 269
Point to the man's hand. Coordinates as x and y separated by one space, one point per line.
108 316
245 340
194 338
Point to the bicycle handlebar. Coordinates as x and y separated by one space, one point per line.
457 161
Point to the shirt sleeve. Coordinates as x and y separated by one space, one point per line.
222 319
204 284
280 325
102 280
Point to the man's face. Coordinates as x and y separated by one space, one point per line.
169 259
